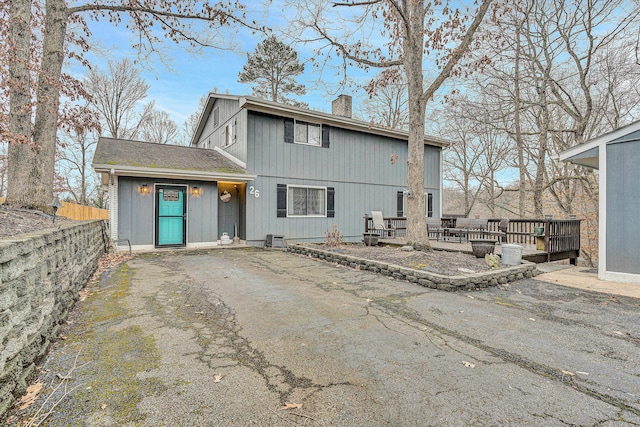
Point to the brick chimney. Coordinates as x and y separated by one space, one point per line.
341 106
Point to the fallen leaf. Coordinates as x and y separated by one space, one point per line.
288 405
34 388
469 296
104 406
31 396
532 319
63 337
468 364
618 333
217 378
84 294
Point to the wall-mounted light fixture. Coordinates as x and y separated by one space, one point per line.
195 191
144 189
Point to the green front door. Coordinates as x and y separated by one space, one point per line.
170 217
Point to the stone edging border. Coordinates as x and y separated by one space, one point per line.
421 277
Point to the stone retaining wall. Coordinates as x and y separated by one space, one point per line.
422 277
40 276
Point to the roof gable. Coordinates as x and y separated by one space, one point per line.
588 149
278 109
136 157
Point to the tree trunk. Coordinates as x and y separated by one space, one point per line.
21 153
412 59
522 184
48 95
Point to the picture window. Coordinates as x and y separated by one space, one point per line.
306 201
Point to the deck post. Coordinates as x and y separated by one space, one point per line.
547 233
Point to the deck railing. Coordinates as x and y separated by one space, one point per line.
561 236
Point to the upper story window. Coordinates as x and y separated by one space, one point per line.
230 133
300 132
307 133
216 117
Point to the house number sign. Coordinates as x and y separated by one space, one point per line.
254 192
171 196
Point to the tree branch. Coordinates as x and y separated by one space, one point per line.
458 52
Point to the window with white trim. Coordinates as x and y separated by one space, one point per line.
307 133
229 134
306 201
402 204
216 117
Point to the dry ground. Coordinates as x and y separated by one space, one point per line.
15 221
441 262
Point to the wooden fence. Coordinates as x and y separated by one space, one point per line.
78 212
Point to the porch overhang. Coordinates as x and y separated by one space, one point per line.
589 158
105 170
588 153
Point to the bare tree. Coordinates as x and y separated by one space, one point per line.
388 106
75 165
159 128
191 22
17 25
189 126
410 28
75 152
3 170
478 153
562 73
117 95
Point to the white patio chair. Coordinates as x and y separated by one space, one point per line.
380 226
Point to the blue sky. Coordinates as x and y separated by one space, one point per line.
178 86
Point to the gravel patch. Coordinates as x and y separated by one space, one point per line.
440 262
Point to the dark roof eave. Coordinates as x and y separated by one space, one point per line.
269 107
121 170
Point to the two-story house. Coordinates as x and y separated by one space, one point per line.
257 167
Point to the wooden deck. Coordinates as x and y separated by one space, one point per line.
560 238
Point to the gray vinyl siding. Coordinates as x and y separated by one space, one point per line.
623 207
202 225
357 165
212 136
136 212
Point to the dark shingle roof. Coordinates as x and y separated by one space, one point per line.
148 155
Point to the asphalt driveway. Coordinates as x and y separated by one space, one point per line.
229 337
